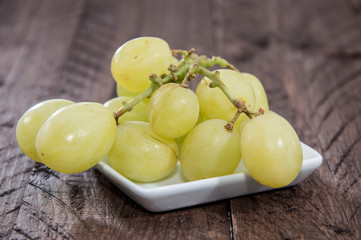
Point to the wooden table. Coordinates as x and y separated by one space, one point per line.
306 53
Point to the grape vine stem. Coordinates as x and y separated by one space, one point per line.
189 66
217 82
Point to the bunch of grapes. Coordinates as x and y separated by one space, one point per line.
156 121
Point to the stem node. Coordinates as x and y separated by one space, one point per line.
229 127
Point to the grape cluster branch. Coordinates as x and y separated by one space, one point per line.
189 66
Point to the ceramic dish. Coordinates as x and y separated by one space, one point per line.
175 192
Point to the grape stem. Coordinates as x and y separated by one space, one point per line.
156 82
187 69
230 125
216 82
128 106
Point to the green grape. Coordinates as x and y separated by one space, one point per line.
242 124
174 61
30 123
173 110
122 92
138 113
77 137
140 154
271 150
136 59
201 119
259 92
213 102
180 140
210 150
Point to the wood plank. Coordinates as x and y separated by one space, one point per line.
313 80
34 40
86 205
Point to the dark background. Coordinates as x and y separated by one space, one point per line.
307 54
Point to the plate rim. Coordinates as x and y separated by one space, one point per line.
145 195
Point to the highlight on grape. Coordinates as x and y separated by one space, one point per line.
156 121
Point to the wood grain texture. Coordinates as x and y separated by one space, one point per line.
306 53
308 60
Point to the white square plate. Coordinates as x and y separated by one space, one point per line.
175 192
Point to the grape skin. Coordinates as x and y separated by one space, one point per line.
140 154
76 138
173 110
138 113
31 121
210 150
122 92
261 100
213 102
271 150
136 59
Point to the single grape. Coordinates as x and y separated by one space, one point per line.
174 61
173 110
138 113
77 137
31 121
259 92
122 92
136 59
210 150
271 150
213 102
243 123
140 154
